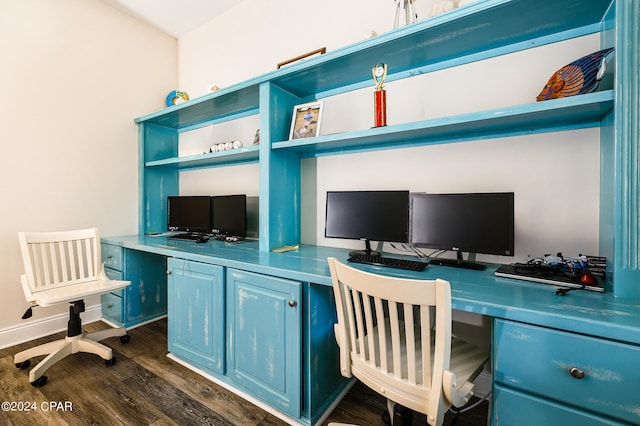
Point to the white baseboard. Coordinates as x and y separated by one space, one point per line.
35 329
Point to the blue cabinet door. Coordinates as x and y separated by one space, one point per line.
264 338
146 298
196 313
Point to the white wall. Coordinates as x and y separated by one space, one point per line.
555 176
75 73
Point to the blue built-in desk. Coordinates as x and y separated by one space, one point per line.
262 323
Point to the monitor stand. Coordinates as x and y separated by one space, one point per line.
459 262
366 252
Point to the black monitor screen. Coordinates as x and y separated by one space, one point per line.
475 223
368 215
229 215
190 213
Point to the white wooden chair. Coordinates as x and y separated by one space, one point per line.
391 340
65 267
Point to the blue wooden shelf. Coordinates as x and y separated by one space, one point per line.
480 30
226 104
237 156
549 116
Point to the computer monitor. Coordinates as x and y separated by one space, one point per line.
472 222
229 215
368 215
189 213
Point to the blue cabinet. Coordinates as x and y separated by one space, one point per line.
196 313
562 377
264 338
146 298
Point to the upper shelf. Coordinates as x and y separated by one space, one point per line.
553 115
485 25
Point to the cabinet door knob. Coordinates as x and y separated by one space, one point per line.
168 272
576 373
109 257
292 303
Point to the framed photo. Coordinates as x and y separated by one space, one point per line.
305 122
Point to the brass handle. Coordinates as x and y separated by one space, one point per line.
576 373
292 303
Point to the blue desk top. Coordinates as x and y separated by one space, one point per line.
480 292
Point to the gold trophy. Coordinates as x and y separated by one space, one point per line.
379 72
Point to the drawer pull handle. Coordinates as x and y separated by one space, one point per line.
576 373
109 257
292 303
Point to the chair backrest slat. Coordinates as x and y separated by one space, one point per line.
410 345
425 330
64 273
56 259
382 331
394 328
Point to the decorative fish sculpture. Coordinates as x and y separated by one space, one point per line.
580 76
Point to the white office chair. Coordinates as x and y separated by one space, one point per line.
65 267
392 341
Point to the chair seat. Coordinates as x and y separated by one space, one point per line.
77 291
466 362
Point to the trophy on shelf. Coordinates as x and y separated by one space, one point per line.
379 72
405 13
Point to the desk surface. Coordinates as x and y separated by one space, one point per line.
480 292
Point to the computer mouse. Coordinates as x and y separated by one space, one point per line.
587 278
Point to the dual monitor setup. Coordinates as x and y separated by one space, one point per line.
477 223
196 217
469 222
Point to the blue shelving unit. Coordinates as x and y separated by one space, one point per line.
481 30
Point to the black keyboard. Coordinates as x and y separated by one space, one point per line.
189 237
390 262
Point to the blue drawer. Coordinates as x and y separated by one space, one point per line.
594 374
112 274
112 307
515 408
112 256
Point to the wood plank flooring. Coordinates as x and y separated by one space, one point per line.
147 388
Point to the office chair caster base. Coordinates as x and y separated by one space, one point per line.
39 382
125 339
24 364
110 362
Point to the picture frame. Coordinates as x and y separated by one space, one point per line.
306 119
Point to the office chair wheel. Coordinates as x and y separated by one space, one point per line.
125 339
110 362
39 382
24 364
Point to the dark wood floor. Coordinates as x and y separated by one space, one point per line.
147 388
